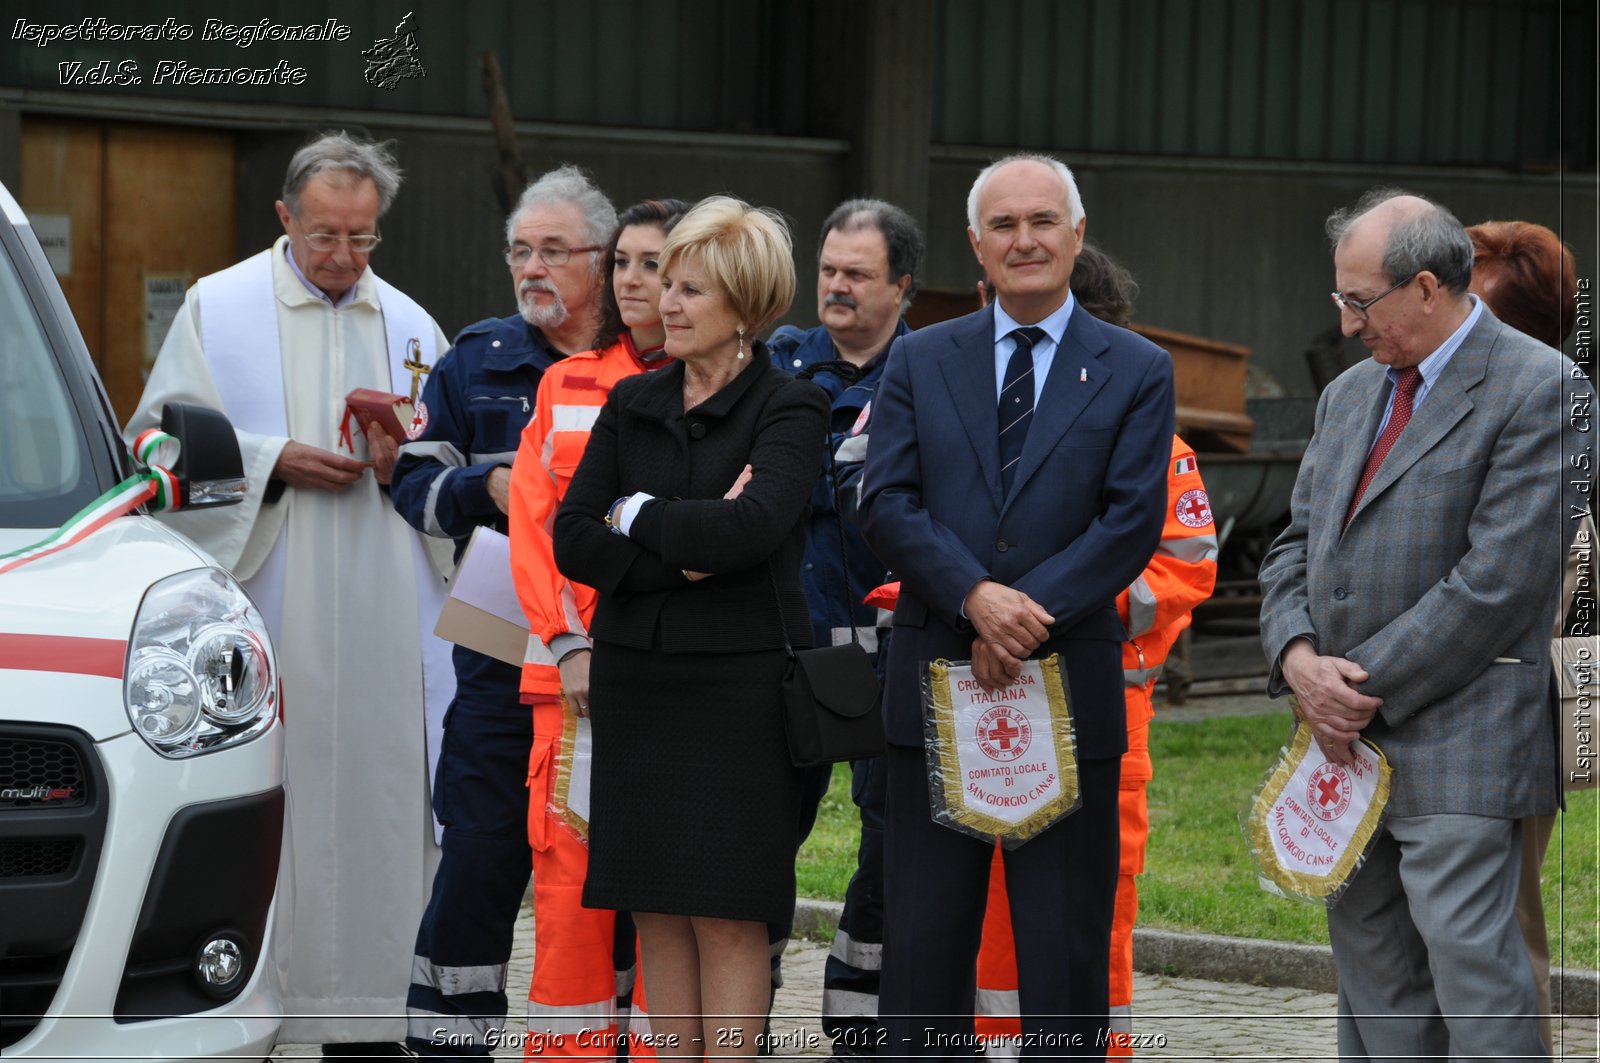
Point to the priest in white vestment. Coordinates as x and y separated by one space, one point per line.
277 342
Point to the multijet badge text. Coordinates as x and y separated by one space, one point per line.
37 793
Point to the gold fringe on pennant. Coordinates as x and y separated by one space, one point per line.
953 792
1259 828
562 789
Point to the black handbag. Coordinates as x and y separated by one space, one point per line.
831 705
831 694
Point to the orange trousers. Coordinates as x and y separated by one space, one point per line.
997 1004
578 1001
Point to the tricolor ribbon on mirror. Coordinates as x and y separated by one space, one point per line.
152 484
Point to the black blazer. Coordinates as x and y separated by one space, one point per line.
644 441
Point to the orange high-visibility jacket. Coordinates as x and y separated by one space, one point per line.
1179 577
570 397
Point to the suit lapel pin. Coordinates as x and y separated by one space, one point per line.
1083 375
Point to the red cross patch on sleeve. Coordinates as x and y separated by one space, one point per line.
419 421
1193 509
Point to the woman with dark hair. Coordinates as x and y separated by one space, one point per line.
629 306
578 981
1103 286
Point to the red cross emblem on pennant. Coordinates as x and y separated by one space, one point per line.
1003 733
1328 791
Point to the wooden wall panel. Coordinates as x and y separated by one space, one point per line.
61 167
169 209
143 199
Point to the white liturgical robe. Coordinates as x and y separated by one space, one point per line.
341 567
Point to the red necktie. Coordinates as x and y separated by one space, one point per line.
1405 390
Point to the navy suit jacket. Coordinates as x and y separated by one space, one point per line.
1082 519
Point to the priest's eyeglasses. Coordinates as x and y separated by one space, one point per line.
360 243
1358 308
552 255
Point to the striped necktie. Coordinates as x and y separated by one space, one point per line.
1016 402
1405 391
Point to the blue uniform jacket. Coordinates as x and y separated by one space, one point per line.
822 573
476 403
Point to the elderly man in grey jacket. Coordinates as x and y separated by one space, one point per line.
1409 603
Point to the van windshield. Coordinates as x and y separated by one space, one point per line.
45 471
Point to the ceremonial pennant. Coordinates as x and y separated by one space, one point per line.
1002 765
1312 821
569 796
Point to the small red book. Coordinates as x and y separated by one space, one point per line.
394 413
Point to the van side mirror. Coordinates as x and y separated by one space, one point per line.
210 470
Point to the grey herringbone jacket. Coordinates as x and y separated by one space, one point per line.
1443 586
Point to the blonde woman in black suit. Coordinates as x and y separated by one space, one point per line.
686 515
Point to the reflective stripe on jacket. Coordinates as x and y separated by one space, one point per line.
1179 577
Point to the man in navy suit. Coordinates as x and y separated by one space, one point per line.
1012 547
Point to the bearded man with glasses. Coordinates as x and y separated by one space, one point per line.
277 342
454 476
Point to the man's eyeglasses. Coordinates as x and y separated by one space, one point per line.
1358 308
361 243
550 254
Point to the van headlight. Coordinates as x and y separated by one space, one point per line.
200 673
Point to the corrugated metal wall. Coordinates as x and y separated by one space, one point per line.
1161 105
1476 82
705 65
662 64
1377 81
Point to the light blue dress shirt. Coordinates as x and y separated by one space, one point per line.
1431 367
1044 352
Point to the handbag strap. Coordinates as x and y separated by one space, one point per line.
838 527
777 600
844 557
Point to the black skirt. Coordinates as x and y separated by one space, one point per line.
694 806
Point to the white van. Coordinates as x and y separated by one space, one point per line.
141 744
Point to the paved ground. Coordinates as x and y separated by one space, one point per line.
1183 1018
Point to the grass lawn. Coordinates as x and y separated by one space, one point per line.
1198 872
828 858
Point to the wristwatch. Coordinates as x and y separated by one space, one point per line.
614 512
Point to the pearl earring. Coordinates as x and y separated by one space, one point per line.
740 355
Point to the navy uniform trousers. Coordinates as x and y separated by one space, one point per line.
1062 885
458 979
